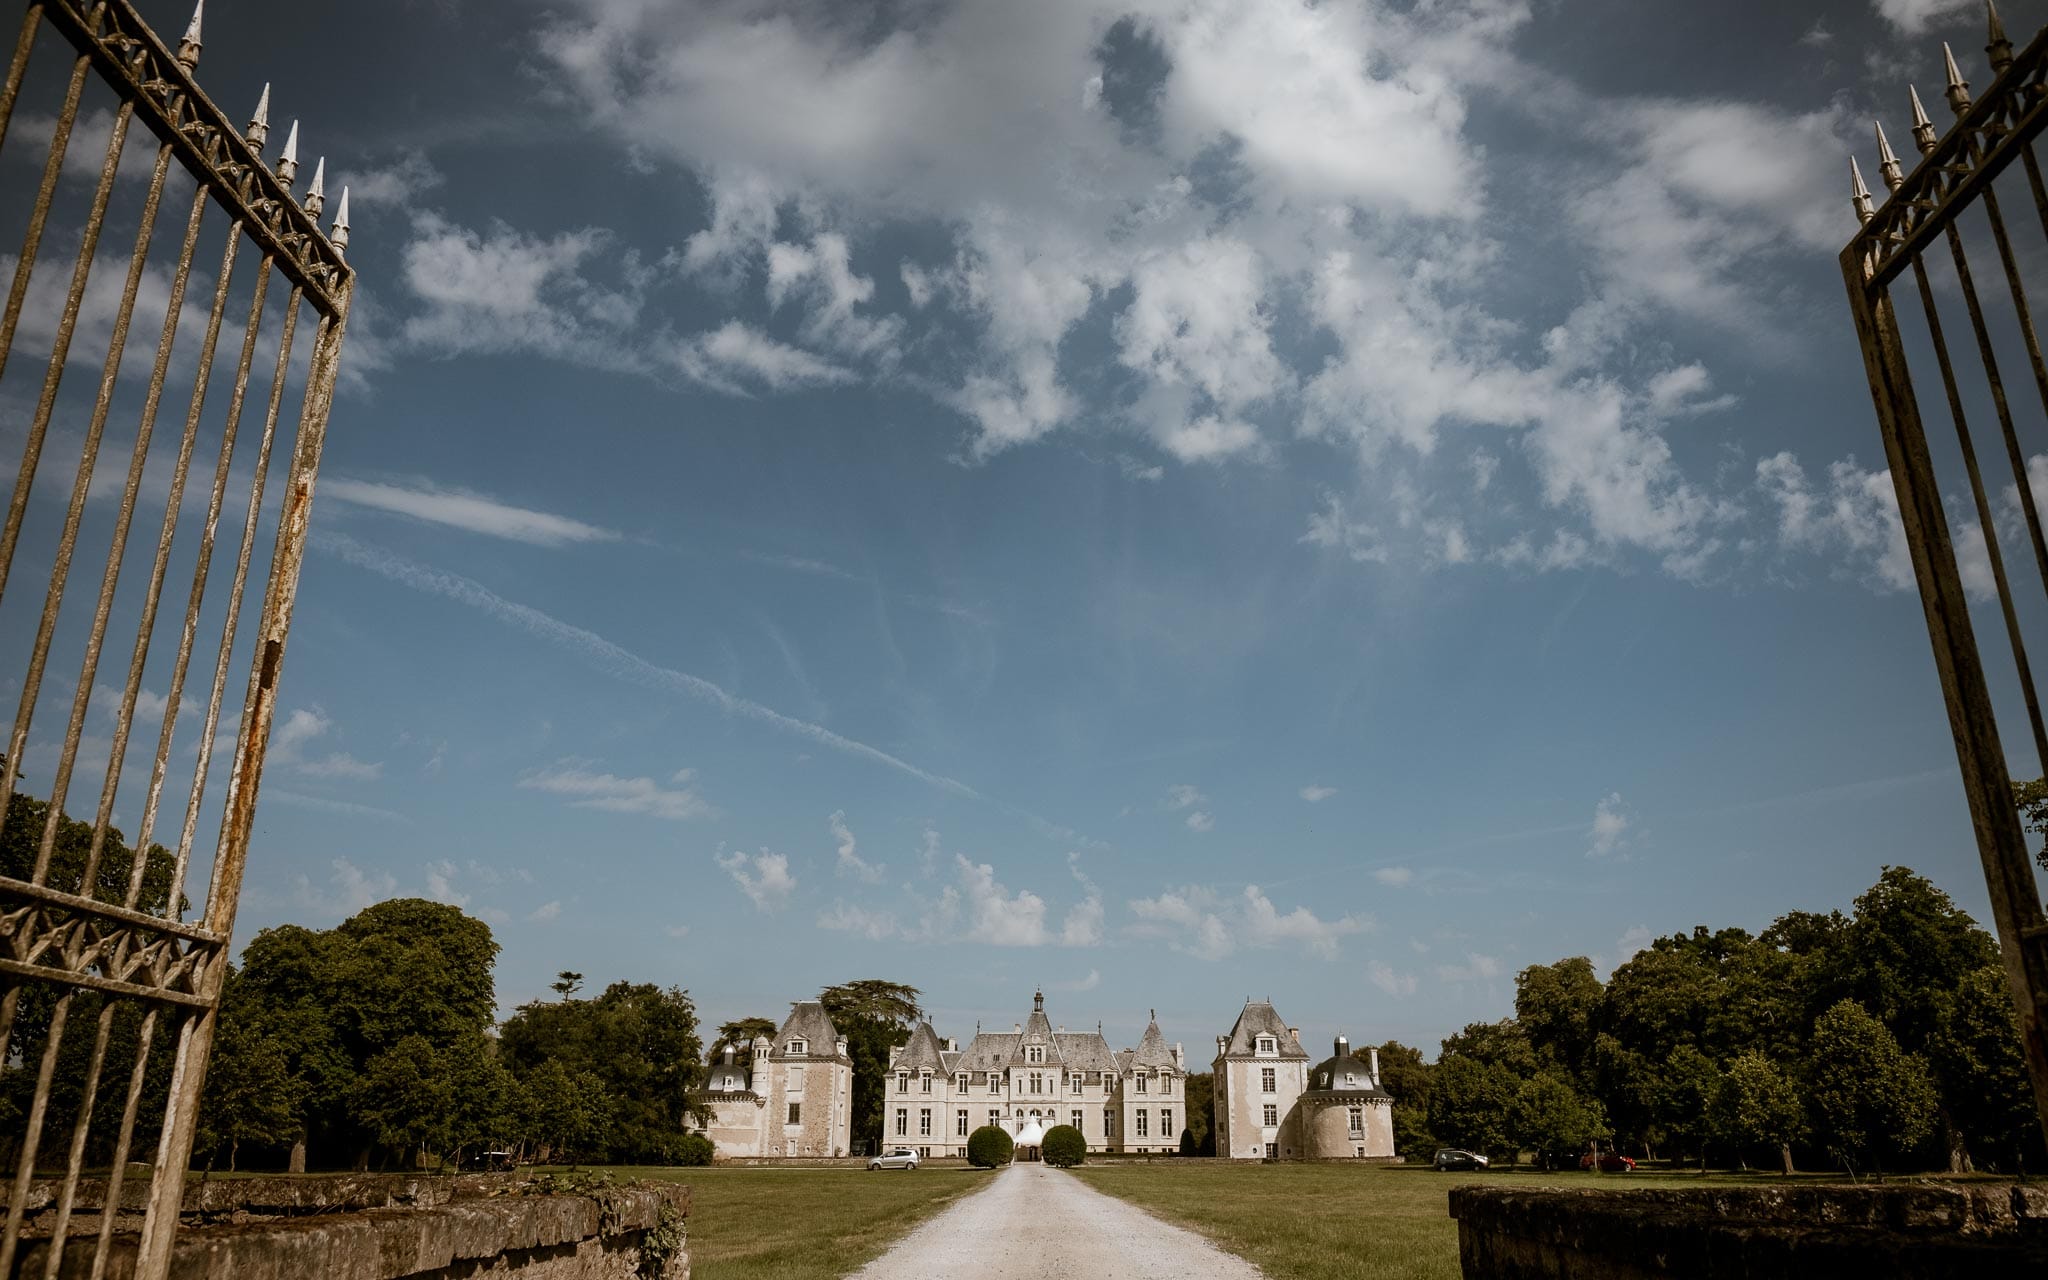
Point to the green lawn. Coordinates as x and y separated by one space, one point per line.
803 1224
1332 1221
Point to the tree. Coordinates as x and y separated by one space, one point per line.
1977 1043
875 1016
638 1041
1551 1118
251 1093
1405 1076
741 1032
567 983
1756 1105
990 1147
1556 1006
2032 799
567 1112
695 1151
1064 1146
1868 1097
1470 1103
1199 1095
404 1097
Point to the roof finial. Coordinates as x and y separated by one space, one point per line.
1923 128
288 159
2000 48
1887 163
1958 90
189 43
1860 194
258 131
316 197
339 235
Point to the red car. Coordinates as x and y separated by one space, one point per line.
1610 1162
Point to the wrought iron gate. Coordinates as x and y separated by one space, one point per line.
110 991
1957 176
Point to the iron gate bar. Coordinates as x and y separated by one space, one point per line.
74 942
1954 173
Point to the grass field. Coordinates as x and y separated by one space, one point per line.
803 1224
1332 1221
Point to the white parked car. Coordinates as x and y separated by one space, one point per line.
894 1158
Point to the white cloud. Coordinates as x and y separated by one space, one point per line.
545 912
1089 983
1183 796
737 358
459 509
441 884
995 916
359 888
590 788
1611 823
305 725
1199 921
1199 821
1394 877
1316 793
850 862
1083 925
1477 968
764 877
1390 981
1856 518
1914 17
843 917
397 185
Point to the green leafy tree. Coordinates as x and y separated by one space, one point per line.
1405 1076
251 1094
695 1151
404 1097
1064 1146
2032 799
567 983
1550 1117
989 1147
1756 1105
1200 1097
638 1040
1557 1007
1869 1098
1474 1087
741 1032
875 1016
568 1113
1977 1043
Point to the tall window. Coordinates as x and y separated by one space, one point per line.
924 1122
1076 1119
996 1118
960 1083
796 1080
1142 1114
1034 1054
1165 1083
995 1084
1357 1121
960 1125
1266 1080
1109 1122
1272 1115
796 1113
1166 1124
924 1081
903 1082
1037 1080
902 1122
1141 1082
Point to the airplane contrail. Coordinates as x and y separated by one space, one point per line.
605 655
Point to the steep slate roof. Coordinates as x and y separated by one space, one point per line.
1085 1051
1037 1030
922 1053
989 1051
1153 1052
809 1022
1258 1018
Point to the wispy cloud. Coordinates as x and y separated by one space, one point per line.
591 788
1609 832
460 509
608 657
850 862
1316 794
764 877
1394 877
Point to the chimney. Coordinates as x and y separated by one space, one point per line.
1295 1034
1222 1045
1063 1028
839 1046
1179 1058
1343 1047
1016 1028
1372 1065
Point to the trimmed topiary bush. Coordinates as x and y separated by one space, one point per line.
1064 1147
694 1149
989 1147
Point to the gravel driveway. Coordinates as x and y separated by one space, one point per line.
1032 1222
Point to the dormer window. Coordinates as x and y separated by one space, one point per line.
799 1048
1350 1080
960 1083
1266 1044
903 1082
1035 1054
924 1081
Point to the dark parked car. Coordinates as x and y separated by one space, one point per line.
1610 1162
1452 1158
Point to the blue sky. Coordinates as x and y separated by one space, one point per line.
1171 501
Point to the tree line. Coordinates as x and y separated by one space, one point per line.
1881 1039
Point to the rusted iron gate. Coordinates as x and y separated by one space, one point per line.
1924 216
93 951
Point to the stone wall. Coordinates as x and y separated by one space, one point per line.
1909 1232
392 1228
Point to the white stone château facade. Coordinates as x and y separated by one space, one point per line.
790 1096
936 1093
1271 1104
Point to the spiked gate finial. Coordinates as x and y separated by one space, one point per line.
288 159
189 43
1887 163
258 131
339 235
316 191
1923 128
1958 90
2000 48
1859 194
